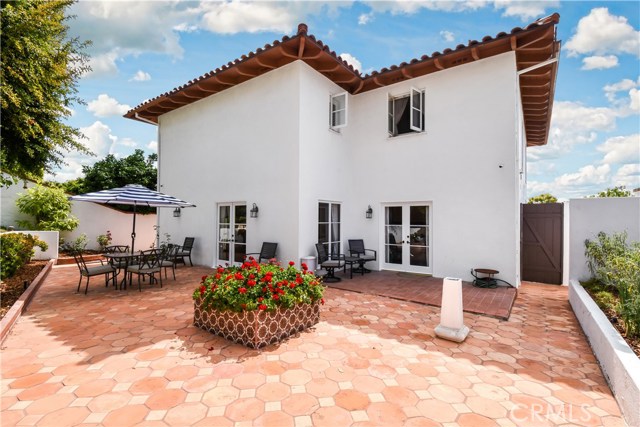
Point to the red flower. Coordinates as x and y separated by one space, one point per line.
322 301
239 276
252 276
251 283
229 277
242 290
260 299
204 278
304 266
262 307
220 270
218 276
291 263
243 306
203 288
276 297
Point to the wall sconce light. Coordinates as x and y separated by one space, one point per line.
254 211
177 213
369 212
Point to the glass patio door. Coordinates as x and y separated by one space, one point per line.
407 244
232 233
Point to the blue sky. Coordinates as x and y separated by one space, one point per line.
142 49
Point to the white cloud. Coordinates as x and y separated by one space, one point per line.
525 10
625 84
447 36
103 64
602 33
140 76
232 17
153 146
106 106
627 175
634 100
351 60
621 149
365 18
599 62
98 138
586 181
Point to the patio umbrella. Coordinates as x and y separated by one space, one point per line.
135 195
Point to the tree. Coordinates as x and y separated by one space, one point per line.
111 172
619 191
543 198
40 69
49 207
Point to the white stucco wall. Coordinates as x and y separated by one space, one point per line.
240 145
96 219
9 213
267 141
588 217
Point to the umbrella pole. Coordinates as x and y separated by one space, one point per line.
133 233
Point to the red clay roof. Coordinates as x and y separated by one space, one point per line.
534 45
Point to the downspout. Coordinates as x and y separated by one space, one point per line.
142 119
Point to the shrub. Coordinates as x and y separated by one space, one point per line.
49 207
104 240
76 245
254 286
16 249
616 264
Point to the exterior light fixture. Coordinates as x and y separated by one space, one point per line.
254 211
369 212
176 213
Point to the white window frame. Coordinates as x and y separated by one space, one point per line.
333 111
414 93
416 97
330 243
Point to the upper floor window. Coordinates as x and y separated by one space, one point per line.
338 113
406 113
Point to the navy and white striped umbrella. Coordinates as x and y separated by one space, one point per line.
135 195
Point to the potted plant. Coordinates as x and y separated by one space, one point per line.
258 304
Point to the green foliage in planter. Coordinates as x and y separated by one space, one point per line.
254 286
16 249
49 206
616 264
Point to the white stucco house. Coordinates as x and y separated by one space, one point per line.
435 147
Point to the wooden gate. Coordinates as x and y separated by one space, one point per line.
542 235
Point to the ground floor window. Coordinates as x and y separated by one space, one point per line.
329 226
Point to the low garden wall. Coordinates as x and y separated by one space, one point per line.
620 365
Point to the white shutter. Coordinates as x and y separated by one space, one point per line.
416 116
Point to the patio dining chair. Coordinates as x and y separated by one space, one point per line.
184 251
329 263
169 259
87 270
149 264
268 252
117 249
356 248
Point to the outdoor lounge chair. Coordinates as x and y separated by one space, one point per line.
184 251
356 248
88 271
148 265
268 252
329 263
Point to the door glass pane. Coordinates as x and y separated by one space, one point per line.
335 232
224 233
241 234
225 216
418 215
323 233
419 256
393 254
393 215
394 234
223 251
418 236
239 251
323 212
240 214
335 213
335 248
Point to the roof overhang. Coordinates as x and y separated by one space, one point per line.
533 45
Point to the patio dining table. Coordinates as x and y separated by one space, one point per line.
121 261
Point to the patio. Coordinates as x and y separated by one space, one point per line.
124 358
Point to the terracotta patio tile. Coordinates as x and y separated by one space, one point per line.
271 419
148 385
186 414
165 399
475 420
296 377
220 396
331 417
23 370
273 391
30 380
39 391
109 401
49 404
214 421
247 409
486 407
94 388
300 404
127 416
64 416
385 413
437 410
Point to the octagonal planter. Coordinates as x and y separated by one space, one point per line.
256 329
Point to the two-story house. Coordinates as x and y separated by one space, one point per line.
424 160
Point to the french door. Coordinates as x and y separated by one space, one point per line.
407 243
232 233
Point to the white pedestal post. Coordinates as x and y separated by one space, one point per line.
451 325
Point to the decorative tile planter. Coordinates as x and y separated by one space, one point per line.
257 329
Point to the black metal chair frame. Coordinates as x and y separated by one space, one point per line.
117 249
184 251
356 248
149 263
328 263
169 259
268 252
90 271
